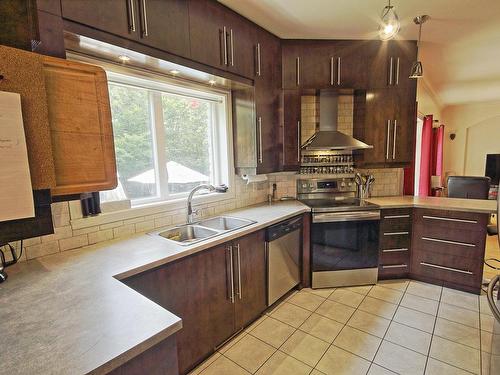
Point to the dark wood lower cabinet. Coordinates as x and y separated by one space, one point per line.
200 289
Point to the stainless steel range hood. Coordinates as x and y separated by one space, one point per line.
328 137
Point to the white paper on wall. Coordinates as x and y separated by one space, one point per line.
16 195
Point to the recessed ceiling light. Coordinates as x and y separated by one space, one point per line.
124 58
212 82
174 72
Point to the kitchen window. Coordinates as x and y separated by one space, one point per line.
168 138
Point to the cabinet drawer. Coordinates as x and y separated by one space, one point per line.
395 239
448 268
451 220
395 220
393 271
394 257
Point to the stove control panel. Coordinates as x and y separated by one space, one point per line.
335 185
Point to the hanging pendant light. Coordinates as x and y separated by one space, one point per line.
417 70
389 23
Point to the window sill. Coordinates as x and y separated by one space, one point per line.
149 209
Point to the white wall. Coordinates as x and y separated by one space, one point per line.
477 129
428 103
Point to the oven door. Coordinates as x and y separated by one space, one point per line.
344 248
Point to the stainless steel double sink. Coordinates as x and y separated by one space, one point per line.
189 234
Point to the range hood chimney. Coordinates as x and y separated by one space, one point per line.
329 138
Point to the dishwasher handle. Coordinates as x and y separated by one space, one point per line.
283 228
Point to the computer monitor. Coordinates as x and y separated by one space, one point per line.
493 168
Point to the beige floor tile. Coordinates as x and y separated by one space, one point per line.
358 342
306 300
337 361
400 360
484 308
321 327
490 342
336 311
460 299
490 364
397 284
273 332
291 314
409 338
424 290
457 332
305 348
205 364
379 370
435 367
378 307
231 342
346 297
386 294
250 353
369 323
425 305
282 364
487 322
458 355
415 319
316 372
256 323
457 314
361 289
325 292
223 366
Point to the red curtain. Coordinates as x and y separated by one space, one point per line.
431 157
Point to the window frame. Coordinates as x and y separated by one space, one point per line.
222 151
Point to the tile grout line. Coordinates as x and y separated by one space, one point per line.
433 330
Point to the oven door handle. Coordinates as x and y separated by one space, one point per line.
332 217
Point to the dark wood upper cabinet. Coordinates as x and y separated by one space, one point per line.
241 42
291 55
350 63
250 264
267 101
291 129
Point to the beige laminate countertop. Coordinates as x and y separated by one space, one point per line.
440 203
68 313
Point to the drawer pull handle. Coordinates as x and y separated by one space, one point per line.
396 216
450 219
449 242
394 250
396 233
445 268
395 266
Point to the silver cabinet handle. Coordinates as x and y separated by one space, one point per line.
396 216
260 139
258 59
449 219
394 250
395 266
397 71
339 70
390 71
132 15
298 141
331 71
144 19
239 270
449 242
394 139
231 273
224 38
231 40
388 139
396 233
297 66
445 268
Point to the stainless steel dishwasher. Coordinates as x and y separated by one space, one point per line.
283 248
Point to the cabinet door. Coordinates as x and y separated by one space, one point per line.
267 101
291 58
197 290
351 65
291 129
241 41
116 17
404 127
317 65
380 66
250 266
206 22
164 24
404 54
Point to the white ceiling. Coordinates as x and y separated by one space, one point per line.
460 44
